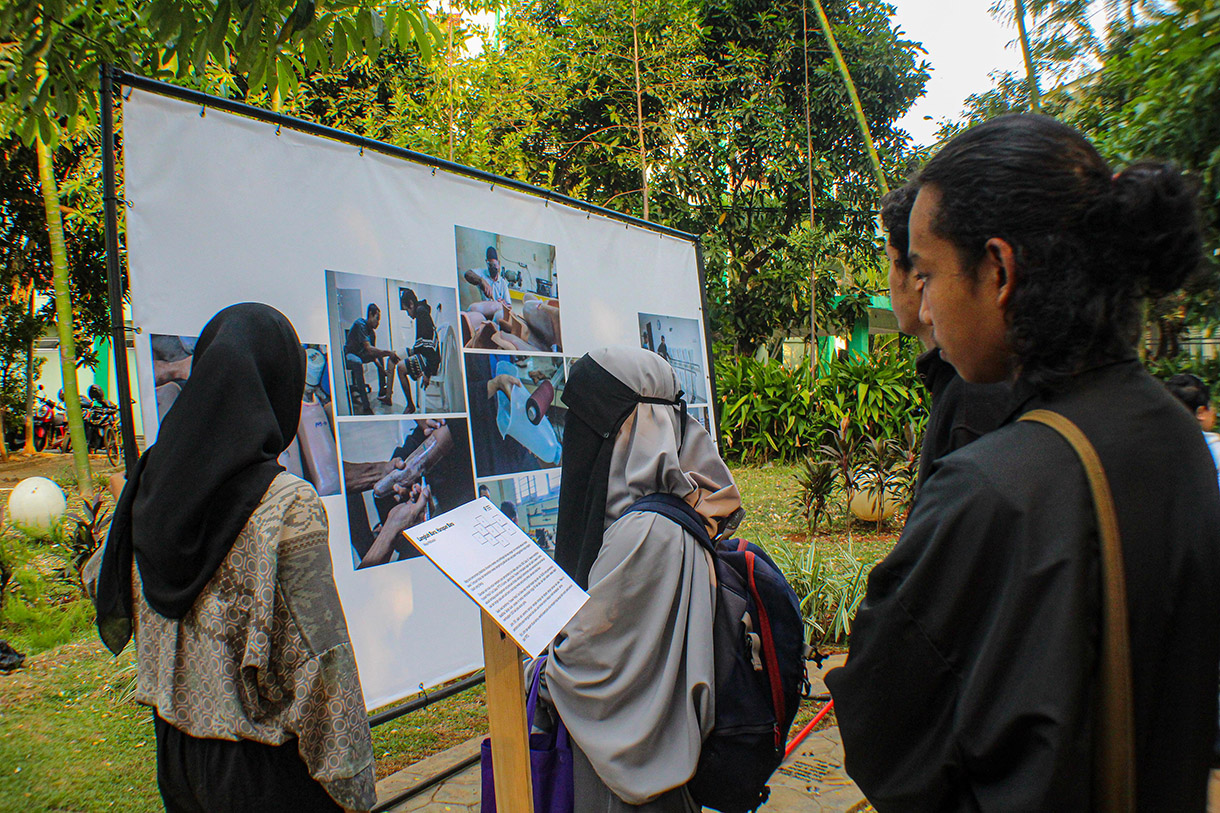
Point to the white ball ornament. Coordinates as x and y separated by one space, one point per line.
37 504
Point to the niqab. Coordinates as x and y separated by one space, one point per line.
608 391
193 491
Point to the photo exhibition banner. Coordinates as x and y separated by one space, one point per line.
439 315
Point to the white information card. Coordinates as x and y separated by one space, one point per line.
497 565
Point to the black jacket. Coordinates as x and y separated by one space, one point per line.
960 412
973 659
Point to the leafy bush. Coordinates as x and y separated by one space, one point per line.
42 600
829 589
815 482
1206 369
770 412
42 605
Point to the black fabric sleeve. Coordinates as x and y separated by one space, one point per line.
972 655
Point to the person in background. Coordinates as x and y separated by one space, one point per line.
974 667
361 348
960 412
1196 397
631 675
218 561
509 509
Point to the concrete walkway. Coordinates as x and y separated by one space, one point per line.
811 781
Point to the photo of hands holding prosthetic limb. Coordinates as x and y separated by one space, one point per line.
414 470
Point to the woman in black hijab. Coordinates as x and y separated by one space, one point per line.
218 560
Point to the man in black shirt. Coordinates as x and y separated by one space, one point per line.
422 360
960 412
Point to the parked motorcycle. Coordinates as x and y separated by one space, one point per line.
51 426
101 418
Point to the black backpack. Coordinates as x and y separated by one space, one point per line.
759 649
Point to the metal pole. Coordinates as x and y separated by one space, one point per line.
118 333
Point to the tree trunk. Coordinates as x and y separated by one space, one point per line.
1031 72
63 321
882 186
813 268
639 102
29 387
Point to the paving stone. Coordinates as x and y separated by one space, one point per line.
812 781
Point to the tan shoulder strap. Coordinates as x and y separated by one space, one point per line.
1114 749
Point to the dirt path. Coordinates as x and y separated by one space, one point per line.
45 464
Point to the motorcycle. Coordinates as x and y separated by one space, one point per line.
101 420
51 426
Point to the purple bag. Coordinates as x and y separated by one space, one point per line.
550 763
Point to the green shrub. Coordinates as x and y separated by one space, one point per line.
1206 369
829 588
41 601
770 412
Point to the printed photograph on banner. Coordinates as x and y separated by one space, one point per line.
509 292
397 474
531 501
312 455
517 413
677 341
400 346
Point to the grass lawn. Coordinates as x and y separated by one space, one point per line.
71 739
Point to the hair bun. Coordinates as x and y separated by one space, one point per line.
1154 219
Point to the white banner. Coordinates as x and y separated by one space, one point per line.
440 313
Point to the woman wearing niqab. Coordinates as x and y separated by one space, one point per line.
217 560
631 675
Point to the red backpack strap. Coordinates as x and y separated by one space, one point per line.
772 662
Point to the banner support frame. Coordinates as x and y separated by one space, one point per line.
123 78
118 330
713 396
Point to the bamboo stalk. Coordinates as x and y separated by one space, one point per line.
63 320
882 186
1031 72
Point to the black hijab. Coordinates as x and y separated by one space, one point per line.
193 491
598 404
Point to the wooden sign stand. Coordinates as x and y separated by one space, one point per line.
506 720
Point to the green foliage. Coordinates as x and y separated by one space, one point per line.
829 588
815 483
768 411
771 412
42 605
880 395
1206 369
51 80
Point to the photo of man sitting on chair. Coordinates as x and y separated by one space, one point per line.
407 332
360 349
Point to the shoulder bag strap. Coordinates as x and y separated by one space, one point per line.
1114 747
676 510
